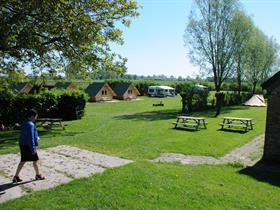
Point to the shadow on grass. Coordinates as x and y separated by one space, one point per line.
185 129
264 172
211 113
232 130
54 133
10 185
173 113
10 139
151 116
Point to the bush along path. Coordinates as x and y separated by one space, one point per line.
244 155
60 165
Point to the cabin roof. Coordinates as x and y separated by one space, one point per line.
94 88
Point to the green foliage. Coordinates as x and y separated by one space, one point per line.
71 104
51 34
210 37
261 53
233 98
65 104
194 98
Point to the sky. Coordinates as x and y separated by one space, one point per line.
154 43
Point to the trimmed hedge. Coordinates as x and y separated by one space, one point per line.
65 104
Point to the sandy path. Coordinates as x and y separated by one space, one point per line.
240 154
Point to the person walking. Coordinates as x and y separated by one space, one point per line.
27 143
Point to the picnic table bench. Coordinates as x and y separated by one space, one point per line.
231 122
158 104
194 122
50 122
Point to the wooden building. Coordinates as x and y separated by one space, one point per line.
100 91
272 132
66 85
125 91
22 87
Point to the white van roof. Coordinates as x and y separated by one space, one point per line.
163 87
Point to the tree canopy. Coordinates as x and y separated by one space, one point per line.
51 34
261 55
210 37
224 41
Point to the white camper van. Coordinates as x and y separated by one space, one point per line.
161 91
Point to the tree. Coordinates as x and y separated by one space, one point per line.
211 39
53 33
243 29
13 76
261 56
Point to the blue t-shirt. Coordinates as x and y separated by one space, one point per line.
29 135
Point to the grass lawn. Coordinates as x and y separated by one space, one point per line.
138 131
144 185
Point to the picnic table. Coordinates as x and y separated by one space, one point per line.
50 122
158 104
231 122
187 121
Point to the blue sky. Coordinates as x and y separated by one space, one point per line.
154 41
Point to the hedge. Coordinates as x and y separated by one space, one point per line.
65 104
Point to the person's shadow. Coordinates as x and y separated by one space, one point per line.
10 185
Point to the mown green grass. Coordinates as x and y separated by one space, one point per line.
145 185
138 131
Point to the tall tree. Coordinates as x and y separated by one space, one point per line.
261 56
211 39
243 28
52 33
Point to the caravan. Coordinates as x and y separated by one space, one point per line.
161 91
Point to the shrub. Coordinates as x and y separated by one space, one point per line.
65 104
193 97
71 105
232 98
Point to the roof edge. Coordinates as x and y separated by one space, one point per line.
271 80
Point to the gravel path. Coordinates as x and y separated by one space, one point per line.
59 164
240 154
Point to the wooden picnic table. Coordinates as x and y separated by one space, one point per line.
187 121
231 122
50 122
158 104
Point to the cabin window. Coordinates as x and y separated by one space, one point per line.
129 92
104 92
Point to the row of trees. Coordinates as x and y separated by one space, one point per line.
223 40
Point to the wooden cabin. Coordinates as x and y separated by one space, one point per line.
125 91
22 87
100 91
66 85
272 131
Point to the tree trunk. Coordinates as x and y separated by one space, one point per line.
219 101
254 87
238 79
184 103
